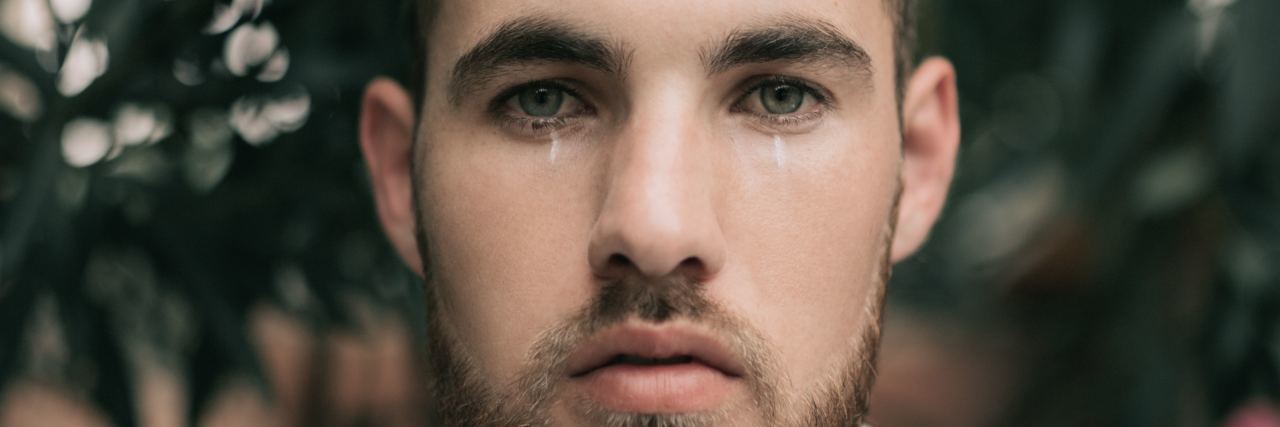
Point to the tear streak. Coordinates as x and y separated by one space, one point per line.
555 148
779 151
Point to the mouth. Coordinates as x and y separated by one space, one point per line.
628 359
651 369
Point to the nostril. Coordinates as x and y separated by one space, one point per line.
618 261
617 266
692 264
693 267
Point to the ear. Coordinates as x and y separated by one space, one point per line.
931 137
386 139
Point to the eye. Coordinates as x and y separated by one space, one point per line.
536 108
539 101
781 98
783 103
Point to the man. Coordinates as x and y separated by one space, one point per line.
659 213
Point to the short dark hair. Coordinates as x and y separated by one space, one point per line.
421 15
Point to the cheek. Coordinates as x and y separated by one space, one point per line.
809 239
507 249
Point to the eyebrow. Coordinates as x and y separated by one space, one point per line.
793 40
531 40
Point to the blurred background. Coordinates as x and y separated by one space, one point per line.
187 235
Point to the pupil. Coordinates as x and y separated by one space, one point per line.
782 93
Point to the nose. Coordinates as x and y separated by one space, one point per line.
658 216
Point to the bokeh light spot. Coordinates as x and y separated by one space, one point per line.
1171 180
18 96
69 11
224 17
28 23
260 120
137 124
86 61
187 72
276 67
85 141
1005 216
248 46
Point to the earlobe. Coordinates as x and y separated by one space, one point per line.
386 140
931 138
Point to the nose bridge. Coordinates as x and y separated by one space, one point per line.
658 214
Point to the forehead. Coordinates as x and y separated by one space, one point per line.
656 30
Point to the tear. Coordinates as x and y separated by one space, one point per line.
555 148
779 151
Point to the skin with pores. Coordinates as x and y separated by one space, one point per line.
755 185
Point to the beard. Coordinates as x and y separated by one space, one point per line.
462 397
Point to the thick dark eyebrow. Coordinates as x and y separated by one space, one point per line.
531 40
792 40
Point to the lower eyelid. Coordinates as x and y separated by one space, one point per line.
787 123
795 118
528 127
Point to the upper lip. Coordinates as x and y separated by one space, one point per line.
654 342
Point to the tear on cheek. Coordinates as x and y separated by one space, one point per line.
760 152
554 150
779 151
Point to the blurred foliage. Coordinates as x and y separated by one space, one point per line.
167 165
1116 204
166 244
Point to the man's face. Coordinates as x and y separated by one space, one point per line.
657 212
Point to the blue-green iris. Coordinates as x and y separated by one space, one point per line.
541 101
781 99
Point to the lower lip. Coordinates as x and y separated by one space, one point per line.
677 388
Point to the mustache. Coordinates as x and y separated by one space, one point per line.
655 301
